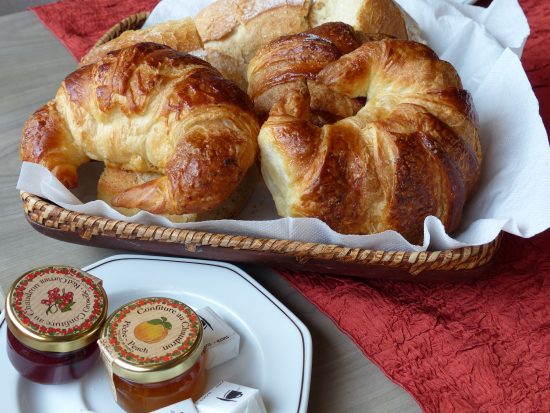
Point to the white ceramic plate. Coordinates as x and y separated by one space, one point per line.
275 354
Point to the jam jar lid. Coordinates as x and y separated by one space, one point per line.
151 340
56 308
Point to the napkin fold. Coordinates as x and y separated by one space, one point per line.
479 346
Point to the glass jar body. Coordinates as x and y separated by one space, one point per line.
146 397
48 367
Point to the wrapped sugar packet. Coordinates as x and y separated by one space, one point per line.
228 397
221 342
185 406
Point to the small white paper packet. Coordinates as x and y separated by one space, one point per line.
185 406
221 342
513 194
228 397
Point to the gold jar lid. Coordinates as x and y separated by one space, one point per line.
152 339
56 308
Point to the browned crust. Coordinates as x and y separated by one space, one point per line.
341 35
46 140
284 63
371 16
206 166
218 19
382 16
289 58
205 87
334 192
222 17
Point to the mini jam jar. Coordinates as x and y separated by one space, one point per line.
153 351
54 316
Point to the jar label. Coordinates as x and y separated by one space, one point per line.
152 331
57 301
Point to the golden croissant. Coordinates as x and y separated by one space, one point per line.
366 137
148 108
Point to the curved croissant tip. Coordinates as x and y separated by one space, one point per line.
148 196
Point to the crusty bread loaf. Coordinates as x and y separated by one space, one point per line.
148 108
180 35
410 151
233 30
114 181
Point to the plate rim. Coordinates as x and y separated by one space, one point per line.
305 335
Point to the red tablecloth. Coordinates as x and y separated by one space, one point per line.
481 346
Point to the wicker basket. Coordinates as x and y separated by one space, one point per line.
56 222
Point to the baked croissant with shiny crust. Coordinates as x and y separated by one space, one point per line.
148 108
410 151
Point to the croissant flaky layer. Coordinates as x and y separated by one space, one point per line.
410 151
148 108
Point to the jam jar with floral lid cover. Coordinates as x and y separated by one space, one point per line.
153 351
54 317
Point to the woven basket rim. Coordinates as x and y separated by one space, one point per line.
132 22
46 213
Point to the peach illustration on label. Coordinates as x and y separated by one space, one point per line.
152 331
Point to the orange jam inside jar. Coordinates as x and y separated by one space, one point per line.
153 350
54 316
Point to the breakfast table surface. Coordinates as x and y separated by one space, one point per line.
32 64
